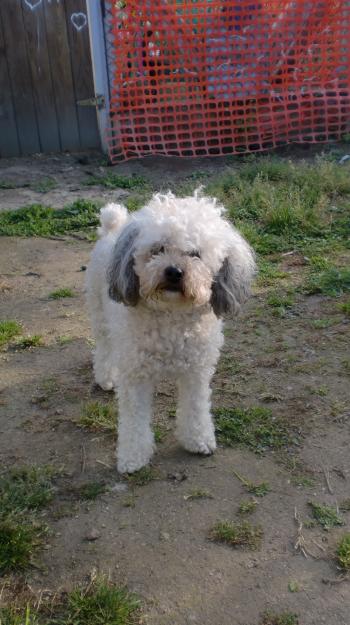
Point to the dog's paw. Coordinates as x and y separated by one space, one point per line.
130 466
106 385
202 446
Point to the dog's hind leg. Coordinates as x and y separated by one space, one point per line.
135 437
104 371
195 429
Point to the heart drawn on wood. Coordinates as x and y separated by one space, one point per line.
32 4
79 21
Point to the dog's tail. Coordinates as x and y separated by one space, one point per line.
112 218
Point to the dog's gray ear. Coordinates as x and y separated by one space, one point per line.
123 283
231 286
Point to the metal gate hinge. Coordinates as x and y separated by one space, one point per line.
98 101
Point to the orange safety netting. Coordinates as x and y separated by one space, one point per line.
209 77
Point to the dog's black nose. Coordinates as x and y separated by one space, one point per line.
173 274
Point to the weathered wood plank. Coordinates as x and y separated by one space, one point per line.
18 67
58 49
78 32
9 145
38 58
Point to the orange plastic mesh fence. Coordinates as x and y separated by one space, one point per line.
209 77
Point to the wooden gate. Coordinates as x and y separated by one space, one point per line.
45 70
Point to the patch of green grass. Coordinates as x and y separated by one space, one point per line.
8 330
255 428
64 339
198 493
269 273
99 603
280 303
242 534
229 365
136 201
14 616
279 618
321 324
6 184
102 603
333 282
23 489
117 181
98 417
17 543
326 516
259 489
43 221
160 432
26 342
293 586
343 552
142 476
247 506
62 293
280 205
92 490
44 185
345 308
303 481
23 492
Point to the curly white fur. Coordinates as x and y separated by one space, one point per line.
158 282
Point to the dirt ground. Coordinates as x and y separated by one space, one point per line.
158 546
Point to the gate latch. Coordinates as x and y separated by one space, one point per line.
98 101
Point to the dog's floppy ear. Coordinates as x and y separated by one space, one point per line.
231 285
123 283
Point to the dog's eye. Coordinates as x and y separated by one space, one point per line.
194 254
157 250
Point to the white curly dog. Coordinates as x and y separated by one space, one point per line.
158 282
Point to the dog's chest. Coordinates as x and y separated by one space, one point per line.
167 344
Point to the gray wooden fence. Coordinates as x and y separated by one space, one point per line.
45 70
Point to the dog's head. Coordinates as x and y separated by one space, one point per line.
181 252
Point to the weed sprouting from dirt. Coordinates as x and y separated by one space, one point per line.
259 489
62 293
27 488
333 282
160 432
29 341
43 221
343 552
279 618
98 603
9 329
344 307
18 541
255 428
17 616
143 476
22 492
44 185
198 493
280 303
247 506
117 181
92 490
326 516
242 534
344 506
97 416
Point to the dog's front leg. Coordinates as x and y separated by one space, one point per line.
135 437
195 429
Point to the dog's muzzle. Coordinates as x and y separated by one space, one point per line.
173 278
